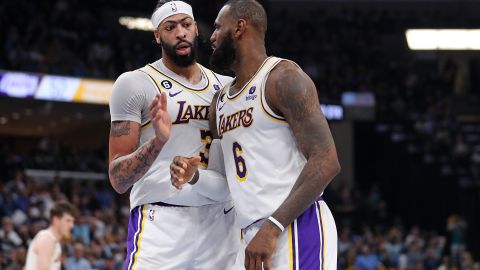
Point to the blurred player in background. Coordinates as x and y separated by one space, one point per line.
169 228
45 251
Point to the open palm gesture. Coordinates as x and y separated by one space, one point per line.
160 118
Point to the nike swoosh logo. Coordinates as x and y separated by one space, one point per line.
174 94
226 211
220 108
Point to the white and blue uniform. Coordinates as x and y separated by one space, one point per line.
262 163
170 228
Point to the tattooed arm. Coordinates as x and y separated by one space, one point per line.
291 93
128 162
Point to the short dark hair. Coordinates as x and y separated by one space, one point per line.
251 11
61 208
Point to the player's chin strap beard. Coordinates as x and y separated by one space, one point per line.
180 60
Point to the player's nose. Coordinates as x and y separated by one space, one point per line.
213 38
181 33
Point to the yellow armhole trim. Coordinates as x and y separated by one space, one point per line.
275 118
153 80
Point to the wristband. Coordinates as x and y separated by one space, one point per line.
278 224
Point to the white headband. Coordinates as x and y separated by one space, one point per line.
168 9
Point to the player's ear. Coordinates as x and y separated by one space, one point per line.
240 28
156 33
54 220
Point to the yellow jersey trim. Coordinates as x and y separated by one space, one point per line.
290 246
323 236
154 81
273 117
207 87
146 125
248 83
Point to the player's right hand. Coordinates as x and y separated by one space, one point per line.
160 118
183 169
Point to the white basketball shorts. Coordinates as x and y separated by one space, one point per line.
309 243
162 236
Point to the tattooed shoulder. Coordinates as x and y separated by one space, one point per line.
291 90
120 128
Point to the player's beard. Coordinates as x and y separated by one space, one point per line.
224 55
181 60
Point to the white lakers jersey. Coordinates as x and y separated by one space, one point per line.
188 107
262 160
32 257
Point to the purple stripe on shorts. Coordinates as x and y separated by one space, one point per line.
132 230
308 234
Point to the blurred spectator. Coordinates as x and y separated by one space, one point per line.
366 260
457 228
78 261
344 241
414 253
445 264
17 256
345 206
476 162
394 246
81 231
414 236
9 236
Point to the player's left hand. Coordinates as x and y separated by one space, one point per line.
182 170
261 248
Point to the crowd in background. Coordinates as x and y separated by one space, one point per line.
99 236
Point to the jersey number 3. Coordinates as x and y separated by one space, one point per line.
240 164
205 137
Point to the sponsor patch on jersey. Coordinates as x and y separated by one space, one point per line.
251 94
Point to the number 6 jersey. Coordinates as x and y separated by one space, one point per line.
188 107
262 160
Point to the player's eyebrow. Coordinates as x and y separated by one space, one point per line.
178 21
